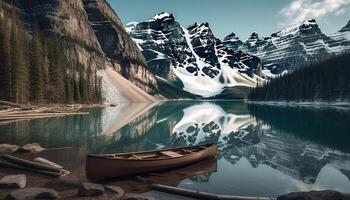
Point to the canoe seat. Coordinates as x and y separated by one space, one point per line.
171 154
187 151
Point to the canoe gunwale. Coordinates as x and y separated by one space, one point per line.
209 148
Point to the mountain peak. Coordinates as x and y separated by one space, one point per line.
232 37
163 16
254 35
310 23
346 27
309 26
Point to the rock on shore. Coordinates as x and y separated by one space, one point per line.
7 148
90 189
13 181
133 196
32 193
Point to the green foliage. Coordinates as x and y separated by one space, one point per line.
18 61
324 80
36 69
5 70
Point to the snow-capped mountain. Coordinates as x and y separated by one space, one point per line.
293 46
341 39
192 59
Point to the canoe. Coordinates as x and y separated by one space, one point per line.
106 166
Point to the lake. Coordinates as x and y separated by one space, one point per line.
263 150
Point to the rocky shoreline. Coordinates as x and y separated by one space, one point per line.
13 113
83 190
18 184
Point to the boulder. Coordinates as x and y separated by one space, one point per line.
32 193
62 184
90 189
132 196
315 195
33 148
13 181
114 191
8 148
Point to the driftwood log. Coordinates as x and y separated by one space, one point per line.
15 105
30 164
202 195
47 162
15 166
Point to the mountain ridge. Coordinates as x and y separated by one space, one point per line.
293 46
192 58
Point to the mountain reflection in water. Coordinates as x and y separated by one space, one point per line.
263 150
305 146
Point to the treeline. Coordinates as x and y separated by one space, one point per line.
323 80
34 68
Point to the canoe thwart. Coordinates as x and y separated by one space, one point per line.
171 154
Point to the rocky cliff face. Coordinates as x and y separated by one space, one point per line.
291 47
92 34
117 45
192 58
341 39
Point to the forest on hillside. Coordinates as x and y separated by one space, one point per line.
34 69
323 80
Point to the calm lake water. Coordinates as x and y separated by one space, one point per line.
263 150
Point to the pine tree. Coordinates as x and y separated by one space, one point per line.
89 86
77 95
36 69
19 67
61 72
82 84
326 80
5 70
57 72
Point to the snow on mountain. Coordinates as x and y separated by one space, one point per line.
341 39
163 15
293 46
193 59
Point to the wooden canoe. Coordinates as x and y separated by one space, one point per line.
107 166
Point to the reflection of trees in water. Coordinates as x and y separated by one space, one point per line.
326 126
75 131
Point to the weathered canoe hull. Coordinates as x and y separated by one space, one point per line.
101 168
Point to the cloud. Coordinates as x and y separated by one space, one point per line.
301 10
340 12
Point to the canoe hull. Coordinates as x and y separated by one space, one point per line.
100 168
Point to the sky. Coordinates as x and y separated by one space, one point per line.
240 16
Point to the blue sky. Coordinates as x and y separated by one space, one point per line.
240 16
